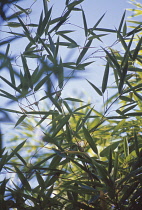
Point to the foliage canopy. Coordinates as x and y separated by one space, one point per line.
70 155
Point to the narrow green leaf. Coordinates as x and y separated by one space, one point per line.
40 180
90 140
136 144
64 32
10 84
60 74
110 161
83 52
11 73
11 110
23 179
95 88
134 114
124 29
52 45
96 36
21 158
41 83
73 99
73 4
85 23
27 72
122 77
8 95
45 46
126 147
56 49
24 26
55 102
15 150
70 40
129 192
13 24
82 107
119 126
94 27
129 108
55 162
60 126
49 192
115 166
42 119
135 30
127 53
113 60
121 22
67 107
105 78
26 11
125 98
137 49
20 119
105 152
45 7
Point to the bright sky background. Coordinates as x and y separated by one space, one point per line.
93 9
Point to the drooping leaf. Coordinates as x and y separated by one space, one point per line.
90 140
95 88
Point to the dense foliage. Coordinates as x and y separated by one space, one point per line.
68 155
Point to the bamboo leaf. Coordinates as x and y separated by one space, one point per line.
105 78
73 99
55 102
94 27
10 84
41 83
137 49
105 152
83 52
119 126
95 88
85 23
90 140
136 144
20 119
115 166
23 179
110 161
8 95
15 150
121 22
60 126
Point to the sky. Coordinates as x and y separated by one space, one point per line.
93 9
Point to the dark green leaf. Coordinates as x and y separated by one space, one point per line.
20 119
83 52
105 78
85 23
90 140
95 88
122 21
